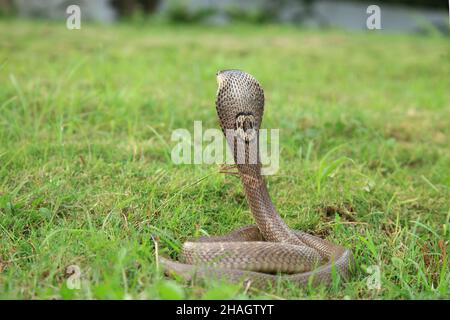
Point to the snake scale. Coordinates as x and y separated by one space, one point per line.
268 251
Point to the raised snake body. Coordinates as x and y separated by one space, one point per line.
268 251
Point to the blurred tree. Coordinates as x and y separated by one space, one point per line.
183 11
416 3
274 9
6 7
99 10
130 7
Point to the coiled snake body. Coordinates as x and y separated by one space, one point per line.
268 251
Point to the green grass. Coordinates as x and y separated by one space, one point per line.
86 179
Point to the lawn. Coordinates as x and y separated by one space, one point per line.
86 176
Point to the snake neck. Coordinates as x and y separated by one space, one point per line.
269 222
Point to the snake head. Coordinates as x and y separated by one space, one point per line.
239 103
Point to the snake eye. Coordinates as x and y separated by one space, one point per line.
245 127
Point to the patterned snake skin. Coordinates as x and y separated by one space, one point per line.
269 251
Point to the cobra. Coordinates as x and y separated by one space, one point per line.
268 251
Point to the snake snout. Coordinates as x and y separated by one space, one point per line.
237 71
225 75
